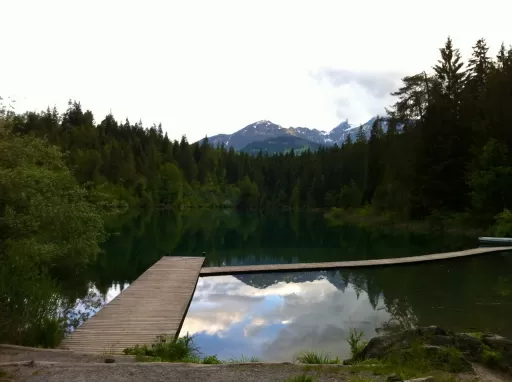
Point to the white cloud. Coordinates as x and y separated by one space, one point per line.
203 67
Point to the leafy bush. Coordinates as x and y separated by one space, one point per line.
492 358
503 226
174 350
211 360
356 342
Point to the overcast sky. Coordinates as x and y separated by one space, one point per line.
206 67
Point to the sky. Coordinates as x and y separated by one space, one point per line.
208 67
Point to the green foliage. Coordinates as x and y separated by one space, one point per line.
445 149
50 228
491 179
350 195
492 358
167 350
249 194
211 360
244 359
317 358
420 359
503 225
356 342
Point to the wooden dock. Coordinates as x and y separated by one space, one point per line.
154 304
496 240
215 271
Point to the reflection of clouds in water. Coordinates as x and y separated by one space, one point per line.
277 321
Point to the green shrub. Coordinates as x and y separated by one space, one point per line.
492 358
166 350
503 226
211 360
356 342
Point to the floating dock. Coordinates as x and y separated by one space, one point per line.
216 271
154 304
495 240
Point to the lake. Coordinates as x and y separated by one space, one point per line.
273 316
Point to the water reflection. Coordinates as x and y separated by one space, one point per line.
86 307
273 316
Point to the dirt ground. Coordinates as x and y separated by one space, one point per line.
29 364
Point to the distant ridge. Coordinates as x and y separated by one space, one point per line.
246 139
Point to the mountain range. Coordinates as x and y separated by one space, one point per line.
269 137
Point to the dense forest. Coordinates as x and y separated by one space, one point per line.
446 152
450 154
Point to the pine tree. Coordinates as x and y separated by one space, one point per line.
448 71
479 65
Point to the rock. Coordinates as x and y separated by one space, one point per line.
469 345
432 331
379 346
497 342
503 346
439 340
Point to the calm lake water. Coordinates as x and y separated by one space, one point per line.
275 316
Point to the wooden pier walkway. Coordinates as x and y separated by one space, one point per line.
215 271
154 304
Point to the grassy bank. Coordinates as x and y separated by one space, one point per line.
369 217
419 359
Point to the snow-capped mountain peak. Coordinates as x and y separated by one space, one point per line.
264 129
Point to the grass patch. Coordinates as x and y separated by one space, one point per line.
166 350
4 374
317 358
171 350
371 218
211 360
492 358
179 350
417 361
300 378
244 359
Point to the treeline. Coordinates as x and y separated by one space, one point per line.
451 153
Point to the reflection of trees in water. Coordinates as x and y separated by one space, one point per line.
464 294
78 311
229 237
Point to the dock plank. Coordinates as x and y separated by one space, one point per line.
154 304
216 271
